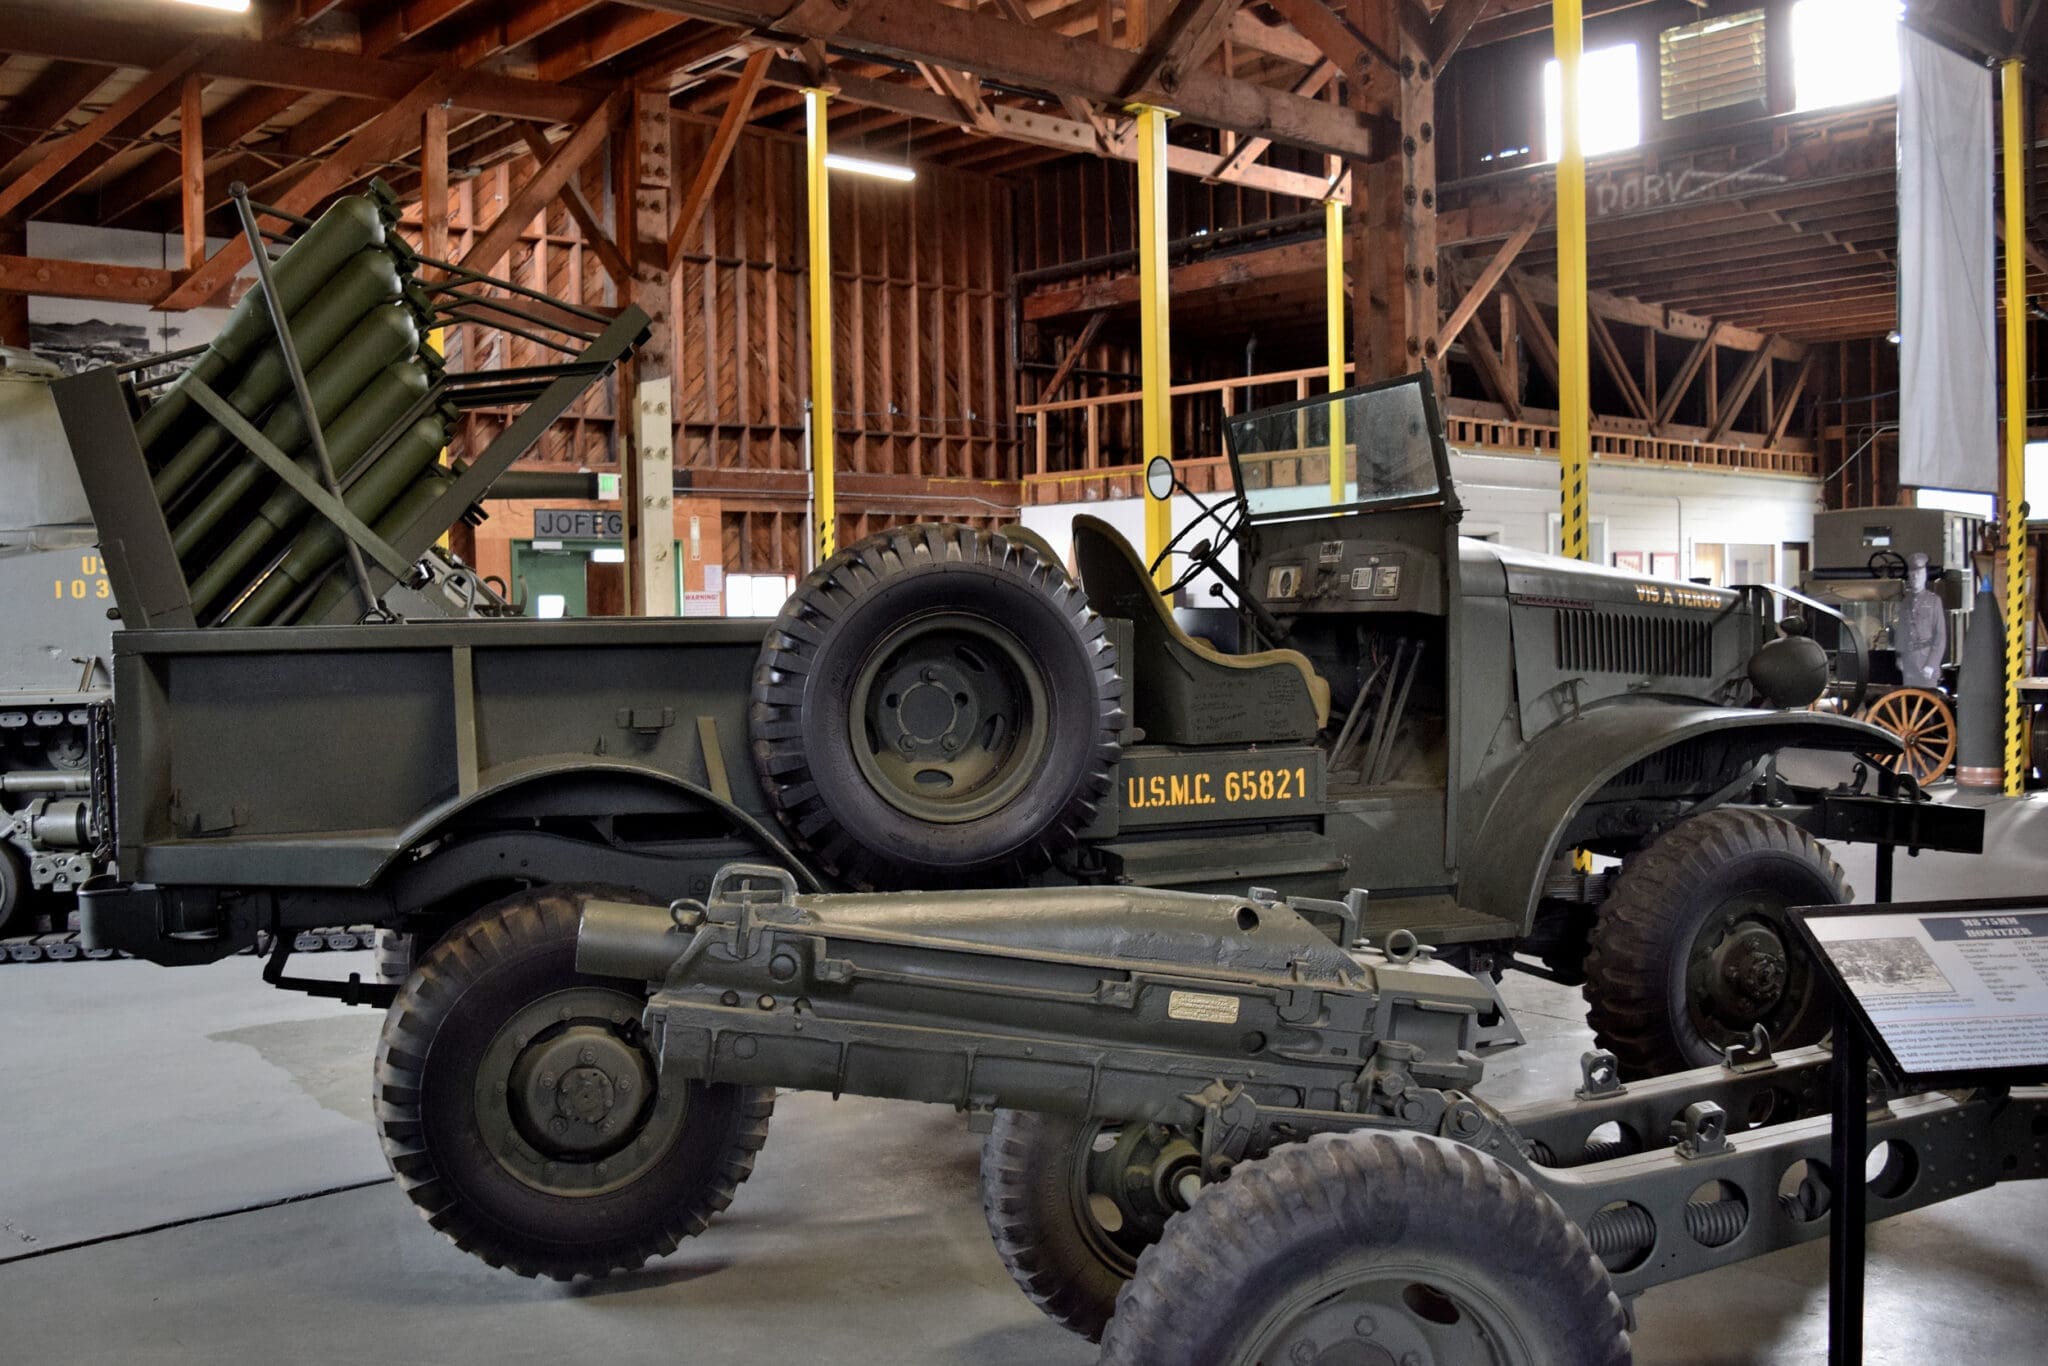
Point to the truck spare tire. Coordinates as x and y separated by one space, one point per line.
936 706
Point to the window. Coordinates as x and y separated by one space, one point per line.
2036 495
1956 500
1844 51
757 595
1714 64
1610 103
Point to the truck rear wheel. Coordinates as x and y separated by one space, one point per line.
1370 1247
1072 1203
518 1106
936 706
1694 945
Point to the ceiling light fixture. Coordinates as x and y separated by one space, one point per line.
231 6
881 170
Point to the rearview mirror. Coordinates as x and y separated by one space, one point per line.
1159 480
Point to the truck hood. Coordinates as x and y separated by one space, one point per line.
1488 570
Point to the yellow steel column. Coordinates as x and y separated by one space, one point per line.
1155 368
2015 483
1333 327
1574 401
825 507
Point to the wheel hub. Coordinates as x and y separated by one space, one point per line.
1752 965
1128 1182
566 1097
1386 1321
927 711
947 718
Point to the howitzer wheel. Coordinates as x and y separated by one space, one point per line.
935 706
14 888
1072 1204
518 1108
1694 946
1370 1247
1925 725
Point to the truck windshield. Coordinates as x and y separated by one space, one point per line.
1388 435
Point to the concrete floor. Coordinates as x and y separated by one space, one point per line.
155 1119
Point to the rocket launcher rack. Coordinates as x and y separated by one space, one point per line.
292 472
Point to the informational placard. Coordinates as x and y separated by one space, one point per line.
1949 991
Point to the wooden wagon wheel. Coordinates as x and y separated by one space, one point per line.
1924 723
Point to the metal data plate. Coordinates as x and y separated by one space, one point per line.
1238 785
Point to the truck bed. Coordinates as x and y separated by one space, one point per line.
310 755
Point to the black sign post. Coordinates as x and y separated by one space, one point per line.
1848 1231
1932 996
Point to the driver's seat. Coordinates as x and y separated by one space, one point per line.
1185 691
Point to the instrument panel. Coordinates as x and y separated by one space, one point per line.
1350 576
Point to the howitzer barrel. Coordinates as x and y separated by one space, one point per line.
637 943
1112 1002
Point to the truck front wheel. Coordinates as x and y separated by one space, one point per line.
519 1110
1694 945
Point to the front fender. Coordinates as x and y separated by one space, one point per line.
495 785
1512 845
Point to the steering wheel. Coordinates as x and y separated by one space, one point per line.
1229 518
1200 555
1886 564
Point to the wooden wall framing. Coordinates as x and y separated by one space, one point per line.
925 387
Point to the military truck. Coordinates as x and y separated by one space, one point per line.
55 656
1447 723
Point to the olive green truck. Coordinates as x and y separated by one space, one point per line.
1452 726
1445 725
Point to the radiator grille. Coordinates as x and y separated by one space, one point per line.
1621 643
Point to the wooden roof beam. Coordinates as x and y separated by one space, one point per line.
1337 37
160 173
390 26
1182 43
542 186
739 108
1249 150
67 35
1031 58
1737 394
82 280
134 102
1489 277
45 105
1451 27
608 254
1046 130
1672 322
398 124
1257 268
619 34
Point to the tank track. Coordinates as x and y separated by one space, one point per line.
66 946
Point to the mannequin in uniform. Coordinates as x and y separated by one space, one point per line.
1921 635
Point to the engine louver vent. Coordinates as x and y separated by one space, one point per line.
1621 643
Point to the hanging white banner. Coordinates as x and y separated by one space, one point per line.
1948 364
